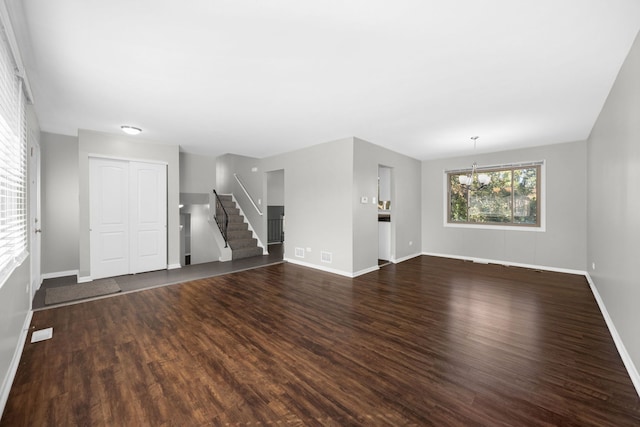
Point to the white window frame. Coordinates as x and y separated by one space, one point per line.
486 226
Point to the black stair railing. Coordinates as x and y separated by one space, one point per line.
222 218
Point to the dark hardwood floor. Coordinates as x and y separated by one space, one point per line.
430 341
153 279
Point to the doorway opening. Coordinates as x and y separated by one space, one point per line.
275 208
384 215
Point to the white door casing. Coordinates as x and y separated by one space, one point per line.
34 217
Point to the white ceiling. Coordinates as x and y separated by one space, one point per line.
258 77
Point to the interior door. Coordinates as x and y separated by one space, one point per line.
109 217
148 216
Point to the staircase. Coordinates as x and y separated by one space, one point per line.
239 237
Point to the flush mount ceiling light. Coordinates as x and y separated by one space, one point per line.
130 130
468 180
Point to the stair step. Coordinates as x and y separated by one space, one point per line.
231 211
243 243
239 234
239 237
236 218
237 226
245 253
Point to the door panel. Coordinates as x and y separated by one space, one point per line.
109 217
148 183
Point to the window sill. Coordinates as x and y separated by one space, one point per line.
540 229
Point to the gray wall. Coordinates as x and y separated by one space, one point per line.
14 307
203 244
614 203
60 209
197 173
15 301
405 207
561 246
322 188
275 188
319 202
127 147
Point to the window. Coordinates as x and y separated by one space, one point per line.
13 167
510 198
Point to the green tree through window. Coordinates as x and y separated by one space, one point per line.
510 198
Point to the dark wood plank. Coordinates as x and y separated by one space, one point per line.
430 341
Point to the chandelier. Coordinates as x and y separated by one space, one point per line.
481 179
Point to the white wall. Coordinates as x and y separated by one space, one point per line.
614 204
563 244
127 147
60 208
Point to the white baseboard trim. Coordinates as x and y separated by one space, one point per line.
405 258
15 361
57 274
622 350
318 267
85 279
365 271
508 263
344 273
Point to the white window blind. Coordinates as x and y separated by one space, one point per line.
13 166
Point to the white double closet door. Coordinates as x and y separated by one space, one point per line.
128 204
